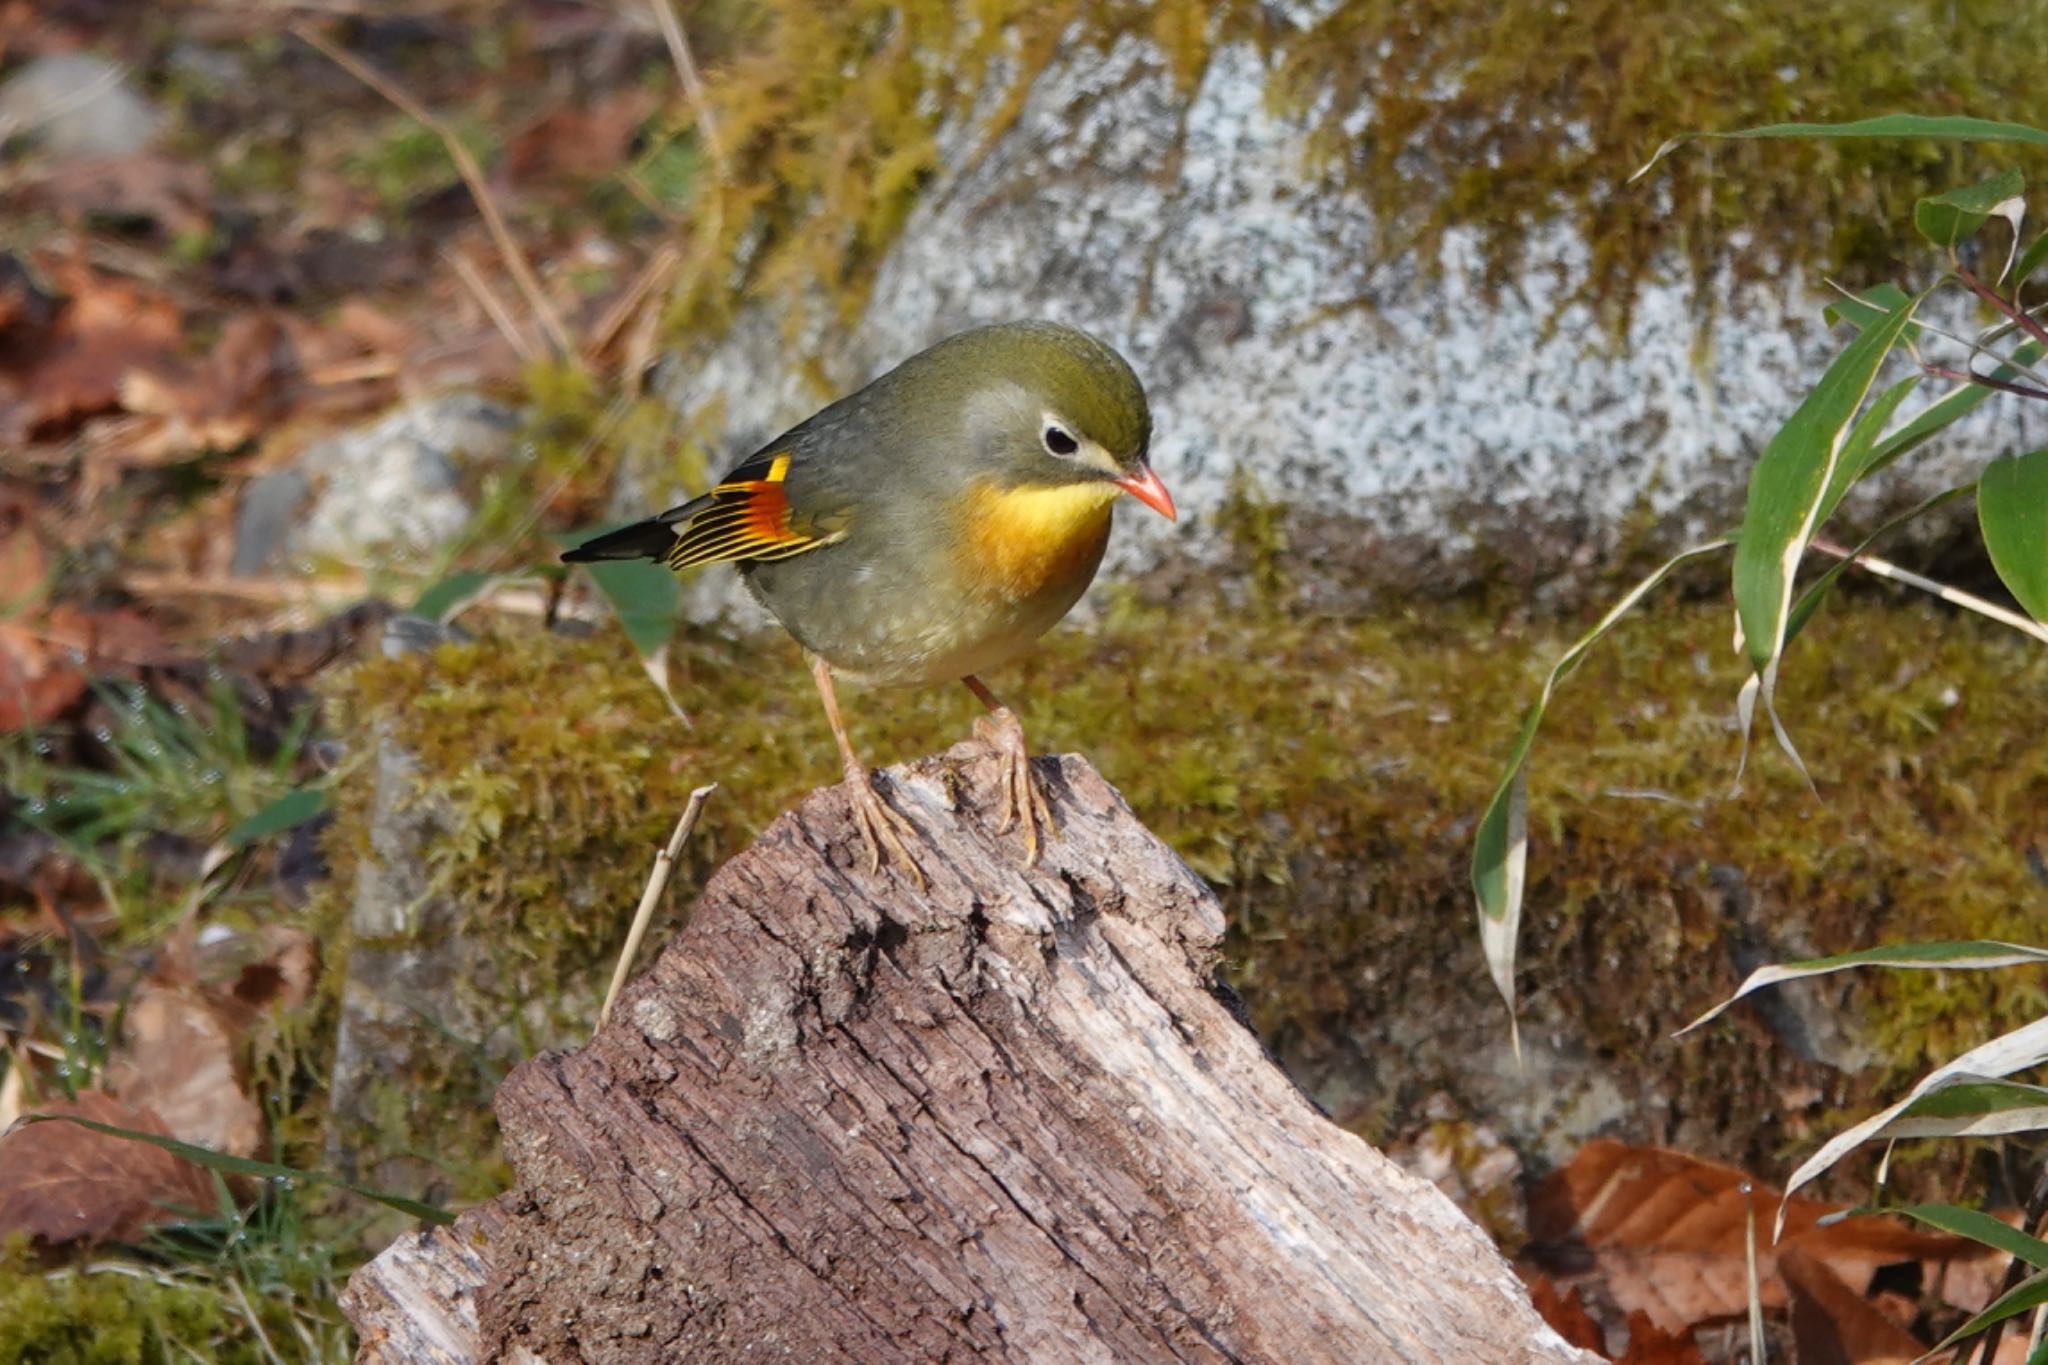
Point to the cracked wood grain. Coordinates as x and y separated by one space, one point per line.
1004 1119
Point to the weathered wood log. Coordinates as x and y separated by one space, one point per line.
1006 1118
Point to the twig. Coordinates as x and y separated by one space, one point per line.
472 176
652 276
1987 381
1967 601
693 84
657 882
2020 318
493 306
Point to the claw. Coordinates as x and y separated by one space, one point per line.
883 826
1023 800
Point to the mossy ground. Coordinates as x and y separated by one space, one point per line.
1325 776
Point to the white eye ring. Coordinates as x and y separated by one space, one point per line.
1059 441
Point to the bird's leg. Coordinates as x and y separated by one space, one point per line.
879 823
1022 800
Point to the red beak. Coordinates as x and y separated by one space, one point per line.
1146 488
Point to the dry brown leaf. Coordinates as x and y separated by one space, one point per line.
178 1060
1566 1313
23 561
61 1183
37 682
74 368
242 385
1833 1324
579 142
1668 1233
1649 1344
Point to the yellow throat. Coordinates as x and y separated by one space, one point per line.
1024 541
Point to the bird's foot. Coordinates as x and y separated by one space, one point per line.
882 826
1023 801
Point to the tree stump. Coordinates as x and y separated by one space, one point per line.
1003 1118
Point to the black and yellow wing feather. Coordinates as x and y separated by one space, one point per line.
747 517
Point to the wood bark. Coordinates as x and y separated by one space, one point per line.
1008 1117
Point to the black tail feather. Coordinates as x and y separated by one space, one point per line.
651 539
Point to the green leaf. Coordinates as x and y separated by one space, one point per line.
1978 1227
1861 447
448 597
223 1164
1817 592
2021 1049
1956 955
2012 511
289 811
1955 217
1944 128
1872 305
1973 1108
644 596
2030 260
1787 490
2031 1292
1500 847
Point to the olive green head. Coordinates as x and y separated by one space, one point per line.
1032 404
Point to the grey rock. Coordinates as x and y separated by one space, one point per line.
390 490
1429 432
263 522
77 106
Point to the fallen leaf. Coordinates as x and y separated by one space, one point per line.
1566 1313
61 1183
177 1060
73 368
219 404
37 683
579 141
23 561
1649 1344
1832 1324
1667 1232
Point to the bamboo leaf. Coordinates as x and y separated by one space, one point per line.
1500 847
1942 128
2029 1293
1978 1227
2023 1047
2012 512
1787 490
447 598
1958 955
1950 219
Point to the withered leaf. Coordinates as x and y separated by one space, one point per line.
61 1183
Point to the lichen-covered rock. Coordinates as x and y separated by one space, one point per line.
391 489
1426 425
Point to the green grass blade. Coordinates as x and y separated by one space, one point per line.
289 811
1958 955
222 1164
2012 512
1500 847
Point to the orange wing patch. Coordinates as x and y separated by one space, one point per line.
743 519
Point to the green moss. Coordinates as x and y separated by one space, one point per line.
128 1315
1455 114
1334 813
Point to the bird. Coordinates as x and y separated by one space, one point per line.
928 527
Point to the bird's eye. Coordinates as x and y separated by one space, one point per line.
1059 440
